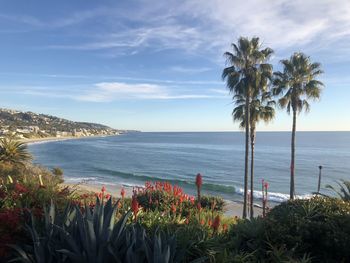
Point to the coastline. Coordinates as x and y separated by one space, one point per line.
65 138
231 209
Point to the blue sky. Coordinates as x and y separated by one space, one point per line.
156 65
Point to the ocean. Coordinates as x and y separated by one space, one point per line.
134 158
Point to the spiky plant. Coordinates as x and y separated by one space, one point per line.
344 190
13 151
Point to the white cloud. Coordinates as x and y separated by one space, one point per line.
111 91
188 70
208 27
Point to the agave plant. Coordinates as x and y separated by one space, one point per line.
344 190
43 248
92 235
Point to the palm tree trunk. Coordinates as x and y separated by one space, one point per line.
292 163
252 144
246 160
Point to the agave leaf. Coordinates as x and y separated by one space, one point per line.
23 255
75 257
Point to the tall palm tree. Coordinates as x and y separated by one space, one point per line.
14 152
297 84
246 60
261 109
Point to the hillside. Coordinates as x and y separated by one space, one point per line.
32 125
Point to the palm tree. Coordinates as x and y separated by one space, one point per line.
297 84
241 78
14 152
261 109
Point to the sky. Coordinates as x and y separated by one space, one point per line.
156 65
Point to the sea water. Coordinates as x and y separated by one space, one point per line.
176 157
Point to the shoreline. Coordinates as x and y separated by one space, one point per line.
231 208
65 138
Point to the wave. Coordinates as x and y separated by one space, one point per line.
205 186
273 196
219 188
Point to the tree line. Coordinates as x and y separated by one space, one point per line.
256 91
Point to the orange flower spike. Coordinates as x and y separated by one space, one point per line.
173 208
216 223
199 180
225 228
199 206
202 222
135 206
122 192
103 189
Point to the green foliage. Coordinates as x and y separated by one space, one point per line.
319 226
91 235
13 152
297 83
344 190
209 202
30 186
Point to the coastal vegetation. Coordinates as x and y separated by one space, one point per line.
43 220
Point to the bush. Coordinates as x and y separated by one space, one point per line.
319 226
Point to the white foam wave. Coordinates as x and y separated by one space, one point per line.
80 179
274 196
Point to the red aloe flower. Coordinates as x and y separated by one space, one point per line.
225 228
122 192
266 185
108 196
191 199
103 189
202 222
216 223
135 206
199 180
173 208
199 206
21 189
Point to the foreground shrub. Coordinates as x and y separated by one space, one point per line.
91 235
164 197
319 226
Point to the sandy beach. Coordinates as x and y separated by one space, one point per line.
232 208
49 139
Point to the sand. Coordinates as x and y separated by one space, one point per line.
49 139
232 208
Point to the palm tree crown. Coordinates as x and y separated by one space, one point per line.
297 83
244 64
262 108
